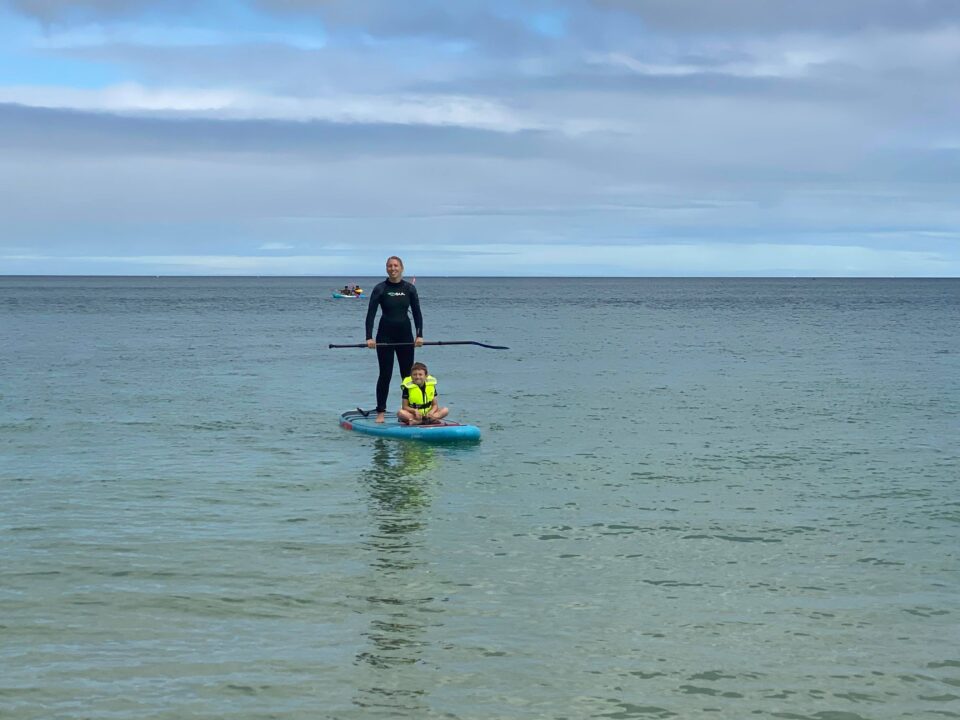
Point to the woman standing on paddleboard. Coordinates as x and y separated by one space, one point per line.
396 298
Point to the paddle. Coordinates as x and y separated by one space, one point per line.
438 342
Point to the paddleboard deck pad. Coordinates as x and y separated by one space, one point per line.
443 431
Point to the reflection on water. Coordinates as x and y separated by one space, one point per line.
398 609
392 480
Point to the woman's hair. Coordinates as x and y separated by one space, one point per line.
394 257
420 366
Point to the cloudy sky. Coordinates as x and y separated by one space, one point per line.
480 137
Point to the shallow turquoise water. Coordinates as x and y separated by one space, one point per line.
694 498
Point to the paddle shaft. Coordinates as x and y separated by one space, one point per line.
437 342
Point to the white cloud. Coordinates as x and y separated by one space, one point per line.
93 35
196 264
790 56
662 259
700 258
231 104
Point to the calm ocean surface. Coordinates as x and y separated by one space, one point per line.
693 498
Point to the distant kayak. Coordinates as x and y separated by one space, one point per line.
349 295
444 431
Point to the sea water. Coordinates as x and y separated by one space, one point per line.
693 498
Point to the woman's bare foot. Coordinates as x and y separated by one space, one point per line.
379 417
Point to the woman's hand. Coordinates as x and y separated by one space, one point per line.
371 343
418 342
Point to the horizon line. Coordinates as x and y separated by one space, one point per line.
493 277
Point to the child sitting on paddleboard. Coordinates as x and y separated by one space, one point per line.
420 405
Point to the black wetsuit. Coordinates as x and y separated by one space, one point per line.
394 301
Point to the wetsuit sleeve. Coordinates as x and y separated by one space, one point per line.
372 309
415 308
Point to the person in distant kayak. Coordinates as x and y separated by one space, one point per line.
420 406
346 290
397 299
357 290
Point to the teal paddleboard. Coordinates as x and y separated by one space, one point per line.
443 431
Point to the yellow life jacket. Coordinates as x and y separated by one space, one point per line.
420 399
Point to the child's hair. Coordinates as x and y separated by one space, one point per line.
419 366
